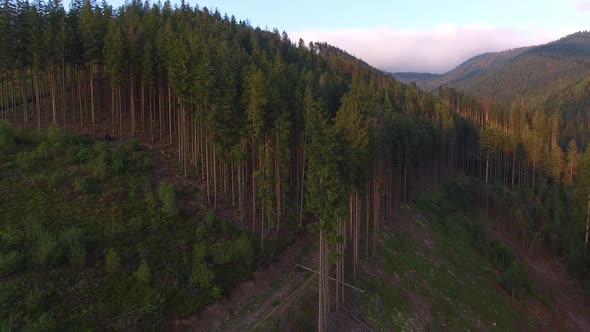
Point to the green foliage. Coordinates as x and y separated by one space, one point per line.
222 253
84 154
51 235
450 205
143 272
46 251
76 255
72 242
201 275
86 185
11 237
7 138
55 135
44 322
516 281
10 262
200 251
167 198
112 261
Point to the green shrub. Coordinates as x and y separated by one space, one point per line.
143 273
244 250
210 219
33 229
86 186
57 179
201 275
39 180
148 194
119 160
112 261
11 237
102 152
76 255
25 161
200 232
200 251
135 145
167 197
55 135
98 169
34 297
10 262
6 325
46 251
71 240
7 138
70 236
135 185
136 223
222 253
45 322
516 280
84 154
42 151
216 292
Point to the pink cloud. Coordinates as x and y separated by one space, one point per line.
436 49
582 5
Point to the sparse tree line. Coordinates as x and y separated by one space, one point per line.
538 173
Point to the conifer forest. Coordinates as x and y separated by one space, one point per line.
157 157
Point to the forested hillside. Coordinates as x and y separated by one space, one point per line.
288 134
543 175
468 71
531 73
283 136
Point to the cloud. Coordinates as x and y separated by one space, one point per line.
582 5
436 49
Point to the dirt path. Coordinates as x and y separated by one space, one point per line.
550 274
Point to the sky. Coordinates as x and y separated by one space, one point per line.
414 35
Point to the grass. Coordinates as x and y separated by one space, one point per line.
447 276
90 242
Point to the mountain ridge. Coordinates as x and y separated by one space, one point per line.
530 71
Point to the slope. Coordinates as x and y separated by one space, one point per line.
441 267
530 72
536 72
97 235
470 69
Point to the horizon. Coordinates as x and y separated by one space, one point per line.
394 36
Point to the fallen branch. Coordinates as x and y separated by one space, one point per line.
189 182
348 311
345 284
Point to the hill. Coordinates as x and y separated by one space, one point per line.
470 69
531 72
444 265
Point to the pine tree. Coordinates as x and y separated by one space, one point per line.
572 161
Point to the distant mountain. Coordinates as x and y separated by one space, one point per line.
469 69
416 77
533 72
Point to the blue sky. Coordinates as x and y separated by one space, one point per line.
415 35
